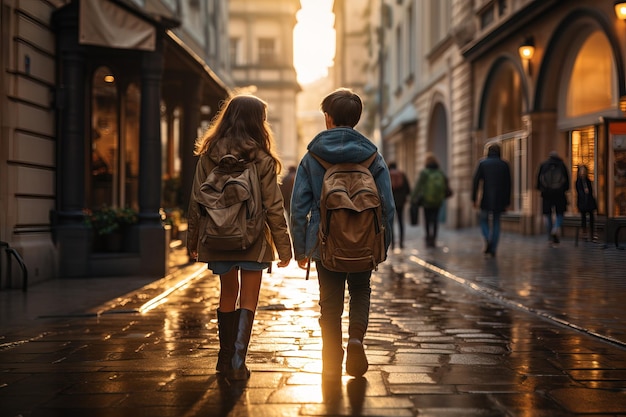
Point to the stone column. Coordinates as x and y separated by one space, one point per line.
189 131
71 234
153 236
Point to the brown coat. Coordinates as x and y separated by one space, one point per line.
276 237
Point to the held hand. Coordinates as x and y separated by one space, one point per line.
282 264
193 255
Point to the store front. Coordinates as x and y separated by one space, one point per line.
131 101
564 97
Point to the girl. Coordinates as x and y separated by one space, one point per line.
240 129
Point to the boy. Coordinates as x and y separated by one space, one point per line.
339 143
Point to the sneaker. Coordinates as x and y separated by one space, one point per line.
356 363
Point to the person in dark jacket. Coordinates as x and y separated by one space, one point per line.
340 142
401 189
586 202
495 175
553 193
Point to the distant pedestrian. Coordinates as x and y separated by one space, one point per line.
586 202
339 143
401 190
240 129
430 191
553 182
495 176
286 187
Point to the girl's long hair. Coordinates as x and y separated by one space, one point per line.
240 127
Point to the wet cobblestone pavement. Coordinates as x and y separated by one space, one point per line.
533 332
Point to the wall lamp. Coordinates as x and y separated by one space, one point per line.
620 10
527 49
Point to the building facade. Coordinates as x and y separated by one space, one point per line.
451 81
351 55
261 60
418 80
567 96
101 104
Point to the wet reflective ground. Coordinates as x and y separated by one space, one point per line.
584 286
436 348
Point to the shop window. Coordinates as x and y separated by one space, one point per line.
592 79
583 151
505 102
171 162
105 141
130 158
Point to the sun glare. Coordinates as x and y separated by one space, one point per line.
314 40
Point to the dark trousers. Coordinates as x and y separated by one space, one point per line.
431 221
400 217
332 289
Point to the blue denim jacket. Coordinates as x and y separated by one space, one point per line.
340 144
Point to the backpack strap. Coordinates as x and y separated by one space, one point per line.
322 162
369 161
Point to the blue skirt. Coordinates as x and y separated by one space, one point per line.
223 267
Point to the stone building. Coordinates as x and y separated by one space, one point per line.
452 81
101 102
261 59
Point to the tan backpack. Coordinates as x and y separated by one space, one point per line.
232 208
352 232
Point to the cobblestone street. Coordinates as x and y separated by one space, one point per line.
451 334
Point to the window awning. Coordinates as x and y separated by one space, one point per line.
103 23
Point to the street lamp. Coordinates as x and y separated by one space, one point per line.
620 10
526 52
527 49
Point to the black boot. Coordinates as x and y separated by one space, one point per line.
332 351
240 371
227 330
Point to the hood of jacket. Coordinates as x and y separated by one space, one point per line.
221 148
342 144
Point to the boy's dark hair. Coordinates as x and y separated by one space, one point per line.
344 106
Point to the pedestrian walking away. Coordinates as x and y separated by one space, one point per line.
586 202
494 174
240 132
340 143
553 182
430 191
401 190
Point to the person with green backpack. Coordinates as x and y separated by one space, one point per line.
430 191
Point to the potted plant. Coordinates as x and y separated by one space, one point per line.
109 225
